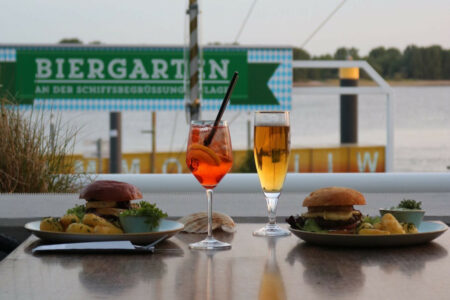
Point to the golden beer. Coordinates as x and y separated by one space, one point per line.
271 152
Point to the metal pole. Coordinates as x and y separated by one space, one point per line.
99 156
389 160
153 132
115 142
249 135
193 106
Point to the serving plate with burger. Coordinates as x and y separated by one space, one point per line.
113 211
333 218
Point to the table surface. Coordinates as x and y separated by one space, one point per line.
255 268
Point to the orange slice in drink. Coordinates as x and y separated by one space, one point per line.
203 154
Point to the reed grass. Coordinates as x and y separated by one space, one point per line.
33 158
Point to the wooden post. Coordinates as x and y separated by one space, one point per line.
194 63
349 106
115 144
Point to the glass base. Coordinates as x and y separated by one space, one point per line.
271 230
210 244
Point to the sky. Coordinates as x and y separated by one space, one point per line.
364 24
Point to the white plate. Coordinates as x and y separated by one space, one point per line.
428 231
166 227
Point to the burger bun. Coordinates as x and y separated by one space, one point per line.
110 190
334 196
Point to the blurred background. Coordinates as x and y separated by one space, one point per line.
406 42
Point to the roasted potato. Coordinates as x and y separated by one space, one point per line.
79 228
366 225
66 220
390 223
409 228
51 224
94 220
378 226
369 231
99 229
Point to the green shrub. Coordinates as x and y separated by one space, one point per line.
33 160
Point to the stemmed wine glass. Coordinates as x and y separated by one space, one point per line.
271 151
209 158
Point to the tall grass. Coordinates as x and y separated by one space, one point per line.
33 159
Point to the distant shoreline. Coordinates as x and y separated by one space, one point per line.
365 82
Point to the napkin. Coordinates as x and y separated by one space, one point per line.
94 247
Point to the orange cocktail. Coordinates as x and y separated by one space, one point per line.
209 158
209 163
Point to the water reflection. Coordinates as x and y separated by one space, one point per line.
339 271
115 274
330 271
407 260
272 287
206 274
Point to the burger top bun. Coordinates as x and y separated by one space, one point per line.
110 190
334 196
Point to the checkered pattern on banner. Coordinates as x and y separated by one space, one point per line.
281 81
7 54
109 104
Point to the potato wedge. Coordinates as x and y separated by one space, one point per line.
378 226
94 220
390 223
409 228
79 228
51 224
66 220
99 229
369 231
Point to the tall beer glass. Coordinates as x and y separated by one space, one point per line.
271 152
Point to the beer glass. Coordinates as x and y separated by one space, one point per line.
271 152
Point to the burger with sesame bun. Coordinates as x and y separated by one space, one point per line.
108 198
330 209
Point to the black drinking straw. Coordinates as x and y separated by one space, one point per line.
222 109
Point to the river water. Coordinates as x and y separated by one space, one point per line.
421 133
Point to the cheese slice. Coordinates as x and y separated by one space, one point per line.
331 215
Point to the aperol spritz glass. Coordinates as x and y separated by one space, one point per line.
209 158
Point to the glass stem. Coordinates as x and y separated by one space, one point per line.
272 201
209 194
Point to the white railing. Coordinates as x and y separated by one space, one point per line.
295 182
240 195
382 88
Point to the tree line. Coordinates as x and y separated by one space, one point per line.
430 63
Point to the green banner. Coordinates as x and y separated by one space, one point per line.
108 74
91 73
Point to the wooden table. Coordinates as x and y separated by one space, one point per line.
255 268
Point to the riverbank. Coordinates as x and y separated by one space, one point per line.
365 82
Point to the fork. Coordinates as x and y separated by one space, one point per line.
151 247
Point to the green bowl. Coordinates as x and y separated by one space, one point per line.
135 224
414 216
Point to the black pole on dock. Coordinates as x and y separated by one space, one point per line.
349 106
115 142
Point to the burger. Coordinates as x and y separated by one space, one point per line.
108 198
330 209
